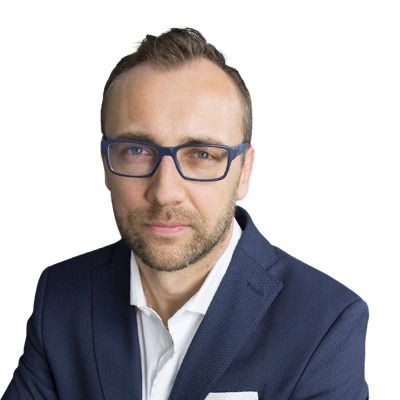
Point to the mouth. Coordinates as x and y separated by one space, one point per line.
167 228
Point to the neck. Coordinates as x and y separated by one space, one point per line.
167 292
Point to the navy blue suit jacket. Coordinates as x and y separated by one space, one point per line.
275 326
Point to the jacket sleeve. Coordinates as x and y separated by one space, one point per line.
336 369
32 380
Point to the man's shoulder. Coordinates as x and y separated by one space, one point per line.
301 283
305 284
84 263
67 285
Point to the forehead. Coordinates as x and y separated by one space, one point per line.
194 99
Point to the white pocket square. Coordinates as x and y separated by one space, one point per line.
232 396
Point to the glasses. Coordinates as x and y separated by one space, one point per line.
196 162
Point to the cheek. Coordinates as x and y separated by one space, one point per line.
126 193
213 199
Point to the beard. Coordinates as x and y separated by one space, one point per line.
168 254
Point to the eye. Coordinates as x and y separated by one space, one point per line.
202 155
136 150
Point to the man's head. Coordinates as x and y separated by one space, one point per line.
176 89
173 49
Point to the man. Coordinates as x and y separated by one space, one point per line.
193 303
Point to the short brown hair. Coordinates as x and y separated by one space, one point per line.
176 47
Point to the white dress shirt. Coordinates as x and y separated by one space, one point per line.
162 350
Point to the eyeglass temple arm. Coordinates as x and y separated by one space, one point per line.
241 149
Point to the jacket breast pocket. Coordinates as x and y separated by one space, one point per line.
232 396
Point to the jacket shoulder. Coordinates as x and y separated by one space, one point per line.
66 285
303 285
84 263
306 284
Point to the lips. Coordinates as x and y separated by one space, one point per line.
167 228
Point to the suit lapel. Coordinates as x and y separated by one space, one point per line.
243 297
115 336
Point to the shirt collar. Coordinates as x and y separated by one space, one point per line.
201 300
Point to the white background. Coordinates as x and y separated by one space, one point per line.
324 79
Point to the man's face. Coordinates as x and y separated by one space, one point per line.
170 222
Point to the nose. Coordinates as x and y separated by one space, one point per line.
166 186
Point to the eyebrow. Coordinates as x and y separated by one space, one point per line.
200 140
145 137
142 136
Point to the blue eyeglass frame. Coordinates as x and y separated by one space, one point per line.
233 152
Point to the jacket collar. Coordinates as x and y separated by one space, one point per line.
116 342
243 297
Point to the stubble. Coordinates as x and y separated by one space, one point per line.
163 253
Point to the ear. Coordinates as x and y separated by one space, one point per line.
247 167
106 172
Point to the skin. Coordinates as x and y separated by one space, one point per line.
199 101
